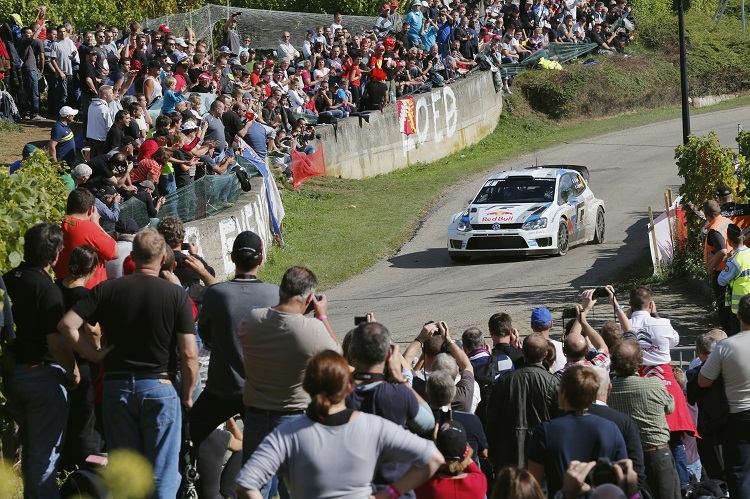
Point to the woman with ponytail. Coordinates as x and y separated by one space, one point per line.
331 451
81 438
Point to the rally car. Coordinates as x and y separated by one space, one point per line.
537 210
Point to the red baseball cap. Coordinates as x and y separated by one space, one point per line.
164 29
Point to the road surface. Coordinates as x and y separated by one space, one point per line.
630 170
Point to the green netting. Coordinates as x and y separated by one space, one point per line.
562 52
568 51
204 197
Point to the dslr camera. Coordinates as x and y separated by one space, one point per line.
601 292
604 472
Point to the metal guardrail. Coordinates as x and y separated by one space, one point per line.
682 356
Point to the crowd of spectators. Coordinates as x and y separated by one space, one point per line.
127 85
136 339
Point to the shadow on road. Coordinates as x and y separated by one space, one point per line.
436 258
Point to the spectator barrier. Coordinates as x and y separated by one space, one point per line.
444 121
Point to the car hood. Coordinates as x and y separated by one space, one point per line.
506 213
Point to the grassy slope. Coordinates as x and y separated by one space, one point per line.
340 227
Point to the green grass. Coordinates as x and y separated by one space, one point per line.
340 227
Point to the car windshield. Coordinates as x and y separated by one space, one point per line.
517 190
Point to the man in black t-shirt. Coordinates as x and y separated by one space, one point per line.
44 362
31 52
224 306
116 132
145 318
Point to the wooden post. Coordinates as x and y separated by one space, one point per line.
669 220
657 262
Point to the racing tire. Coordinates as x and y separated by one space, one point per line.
458 258
599 228
563 239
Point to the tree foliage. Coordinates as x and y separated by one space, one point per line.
704 164
35 193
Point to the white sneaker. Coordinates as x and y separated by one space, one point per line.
506 89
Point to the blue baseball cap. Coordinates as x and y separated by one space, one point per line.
541 317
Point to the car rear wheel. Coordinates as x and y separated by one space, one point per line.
458 257
599 229
563 241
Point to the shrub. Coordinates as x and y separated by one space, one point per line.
591 91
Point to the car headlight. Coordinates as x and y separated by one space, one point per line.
463 226
538 223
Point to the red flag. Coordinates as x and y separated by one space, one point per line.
407 112
305 166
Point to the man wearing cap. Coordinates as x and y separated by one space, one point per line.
224 306
204 84
125 230
541 322
714 254
735 276
231 38
62 145
725 199
145 193
89 82
415 18
383 25
286 49
107 203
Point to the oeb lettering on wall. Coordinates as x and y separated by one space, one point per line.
436 119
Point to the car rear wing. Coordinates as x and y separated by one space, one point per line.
580 169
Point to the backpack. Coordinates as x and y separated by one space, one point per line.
486 375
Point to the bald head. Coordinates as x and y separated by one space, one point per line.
711 208
534 348
575 347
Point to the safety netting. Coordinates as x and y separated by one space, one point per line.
263 26
560 52
200 199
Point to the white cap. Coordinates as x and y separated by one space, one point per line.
180 42
425 4
68 111
169 61
188 125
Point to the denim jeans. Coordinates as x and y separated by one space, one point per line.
39 405
680 458
736 451
257 427
31 92
145 415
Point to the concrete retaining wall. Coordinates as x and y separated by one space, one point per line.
447 120
215 235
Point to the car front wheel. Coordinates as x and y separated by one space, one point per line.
563 241
599 229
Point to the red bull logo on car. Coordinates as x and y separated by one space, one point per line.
498 216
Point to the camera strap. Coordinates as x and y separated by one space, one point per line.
369 376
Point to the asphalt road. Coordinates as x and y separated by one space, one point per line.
630 170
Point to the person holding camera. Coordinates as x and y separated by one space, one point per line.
277 342
381 387
583 344
231 38
585 478
576 435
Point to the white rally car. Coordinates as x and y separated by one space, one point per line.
538 210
